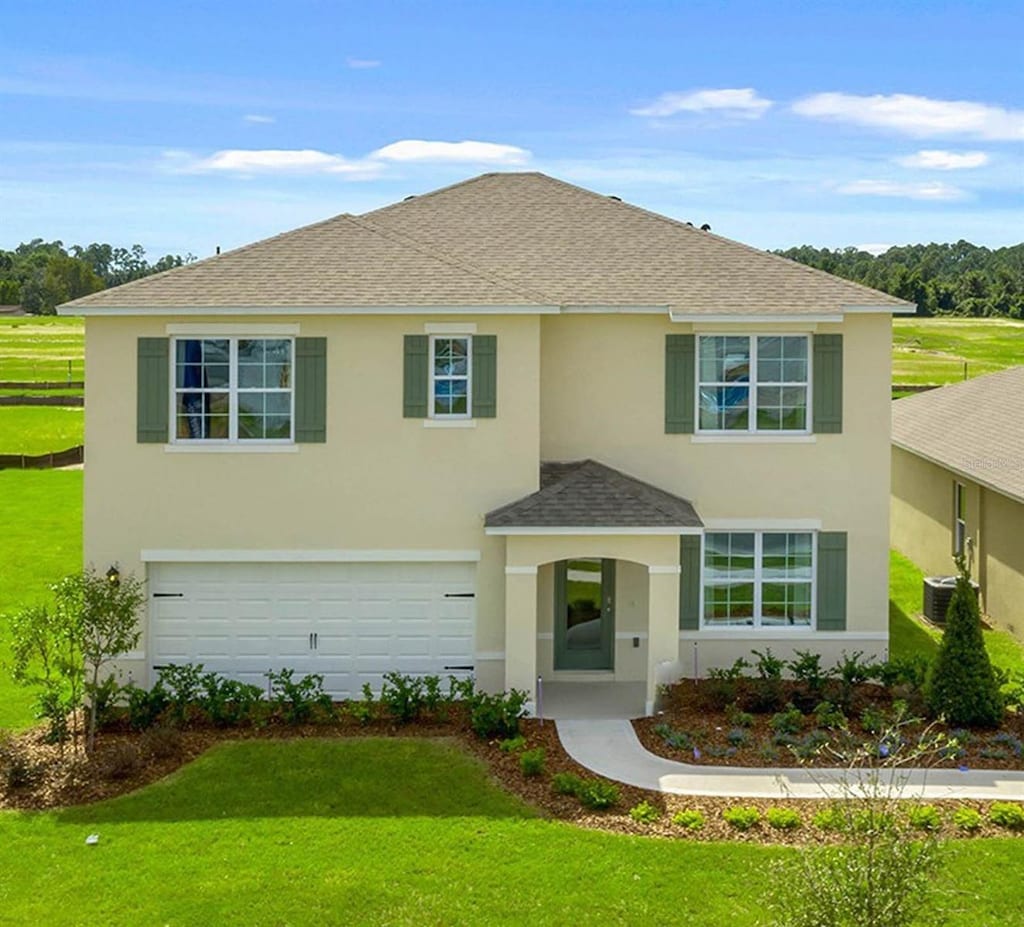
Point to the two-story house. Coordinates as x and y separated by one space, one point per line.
511 427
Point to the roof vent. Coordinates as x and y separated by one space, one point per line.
618 199
218 249
705 227
406 200
690 224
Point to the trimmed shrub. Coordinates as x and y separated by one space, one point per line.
828 819
742 817
967 819
531 762
512 744
496 715
598 794
783 819
925 817
962 687
788 721
829 716
564 783
690 819
1007 814
161 742
644 813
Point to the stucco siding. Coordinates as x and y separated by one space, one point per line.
1003 559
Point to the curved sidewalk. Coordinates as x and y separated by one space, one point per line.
611 749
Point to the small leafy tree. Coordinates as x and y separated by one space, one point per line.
46 653
962 686
880 872
64 648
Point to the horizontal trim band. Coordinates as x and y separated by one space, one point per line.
308 310
668 570
449 423
762 524
232 328
753 439
307 556
200 447
487 656
754 635
520 571
736 318
629 635
585 531
450 328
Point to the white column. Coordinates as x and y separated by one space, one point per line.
521 630
662 628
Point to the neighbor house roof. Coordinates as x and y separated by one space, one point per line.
974 428
587 494
506 239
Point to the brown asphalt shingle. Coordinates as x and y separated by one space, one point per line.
507 239
975 428
587 494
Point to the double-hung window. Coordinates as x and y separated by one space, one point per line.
233 389
450 380
753 384
758 579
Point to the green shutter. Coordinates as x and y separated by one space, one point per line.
689 582
417 387
828 384
832 581
680 383
310 390
485 376
153 391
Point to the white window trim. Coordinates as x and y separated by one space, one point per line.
752 431
740 629
232 441
460 416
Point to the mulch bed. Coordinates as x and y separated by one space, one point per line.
691 709
75 780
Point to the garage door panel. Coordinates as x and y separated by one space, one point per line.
241 619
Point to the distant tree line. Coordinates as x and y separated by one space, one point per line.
40 275
949 279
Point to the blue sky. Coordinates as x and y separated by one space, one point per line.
183 126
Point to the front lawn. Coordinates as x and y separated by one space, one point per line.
50 348
40 543
390 831
359 831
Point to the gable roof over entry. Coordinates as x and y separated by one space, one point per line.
585 494
516 241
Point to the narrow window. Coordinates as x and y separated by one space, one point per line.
959 519
450 379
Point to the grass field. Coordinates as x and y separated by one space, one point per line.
40 429
40 543
934 350
398 832
41 347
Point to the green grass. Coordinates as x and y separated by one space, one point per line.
41 542
934 350
40 429
40 348
390 831
909 635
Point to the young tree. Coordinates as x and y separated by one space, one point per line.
105 610
64 649
962 687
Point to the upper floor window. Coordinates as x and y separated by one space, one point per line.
758 578
753 384
450 381
233 389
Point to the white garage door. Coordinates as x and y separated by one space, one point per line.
350 622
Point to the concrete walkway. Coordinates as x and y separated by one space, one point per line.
611 749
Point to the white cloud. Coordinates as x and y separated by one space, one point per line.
272 161
257 119
743 102
934 159
919 116
477 152
934 190
362 64
874 247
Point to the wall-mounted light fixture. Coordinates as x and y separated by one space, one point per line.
114 575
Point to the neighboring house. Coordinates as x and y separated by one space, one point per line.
958 485
510 427
9 310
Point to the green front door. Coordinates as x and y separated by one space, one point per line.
585 614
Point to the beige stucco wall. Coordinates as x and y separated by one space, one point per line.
922 528
602 395
381 482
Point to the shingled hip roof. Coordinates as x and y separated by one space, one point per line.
974 428
587 494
